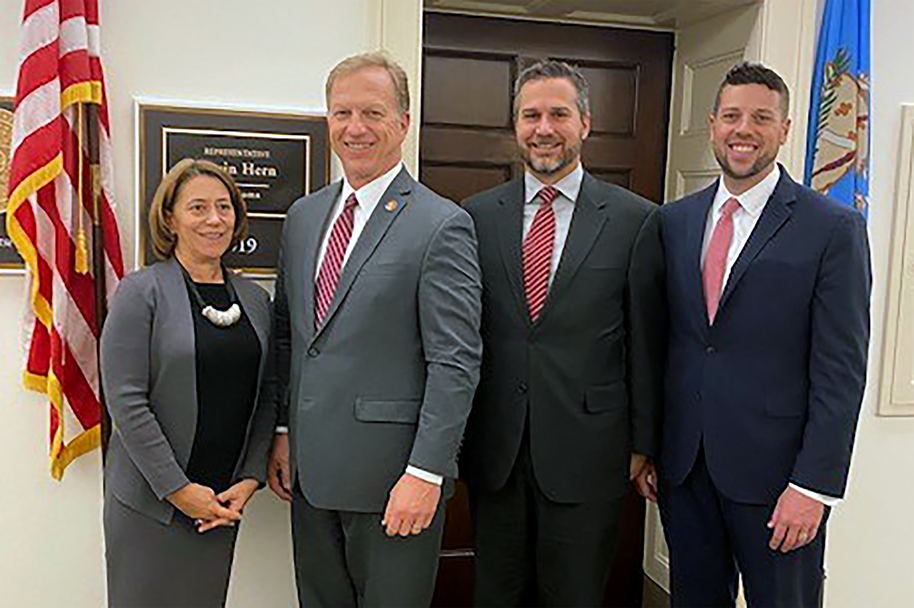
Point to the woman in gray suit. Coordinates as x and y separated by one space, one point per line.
183 356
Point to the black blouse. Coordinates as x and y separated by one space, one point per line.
227 363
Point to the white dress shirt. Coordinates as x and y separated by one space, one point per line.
569 187
751 204
367 197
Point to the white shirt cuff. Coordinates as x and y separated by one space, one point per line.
281 430
828 501
425 475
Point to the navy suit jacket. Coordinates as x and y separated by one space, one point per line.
773 389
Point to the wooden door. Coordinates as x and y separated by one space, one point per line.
467 145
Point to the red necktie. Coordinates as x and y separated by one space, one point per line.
537 252
712 275
329 274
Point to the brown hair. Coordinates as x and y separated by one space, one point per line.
163 203
373 60
543 70
755 73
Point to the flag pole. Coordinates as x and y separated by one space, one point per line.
98 259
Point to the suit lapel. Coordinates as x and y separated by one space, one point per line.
777 211
374 230
182 338
176 288
510 225
586 222
323 208
248 302
695 234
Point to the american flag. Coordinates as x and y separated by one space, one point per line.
51 211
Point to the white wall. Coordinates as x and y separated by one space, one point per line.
871 534
248 52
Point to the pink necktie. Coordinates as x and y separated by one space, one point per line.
537 252
329 274
712 275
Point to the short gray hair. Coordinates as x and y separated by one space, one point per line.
555 69
375 59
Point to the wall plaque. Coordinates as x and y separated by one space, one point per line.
9 257
275 158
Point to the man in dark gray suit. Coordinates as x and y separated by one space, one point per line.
377 339
573 332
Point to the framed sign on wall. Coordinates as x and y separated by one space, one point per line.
274 157
10 261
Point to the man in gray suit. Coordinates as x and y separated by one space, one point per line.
377 343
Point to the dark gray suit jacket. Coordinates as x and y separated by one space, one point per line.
149 378
388 379
588 373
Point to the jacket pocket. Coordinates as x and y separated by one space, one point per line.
787 406
403 411
600 399
385 268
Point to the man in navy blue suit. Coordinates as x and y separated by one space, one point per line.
768 285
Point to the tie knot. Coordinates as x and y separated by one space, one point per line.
548 194
351 202
730 206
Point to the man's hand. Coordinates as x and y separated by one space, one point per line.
643 473
278 476
411 506
199 502
234 500
795 520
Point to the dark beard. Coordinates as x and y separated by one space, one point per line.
757 167
548 168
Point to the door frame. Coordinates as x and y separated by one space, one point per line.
785 39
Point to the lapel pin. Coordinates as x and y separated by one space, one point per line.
391 205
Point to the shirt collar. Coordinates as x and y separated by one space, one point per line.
752 200
569 186
369 194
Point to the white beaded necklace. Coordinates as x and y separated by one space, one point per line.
219 318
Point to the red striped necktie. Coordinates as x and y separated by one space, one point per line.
537 252
712 275
329 274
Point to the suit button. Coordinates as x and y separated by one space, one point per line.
522 387
697 397
313 352
710 350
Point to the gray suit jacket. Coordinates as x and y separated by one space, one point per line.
388 379
149 378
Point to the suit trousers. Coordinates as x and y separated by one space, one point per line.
345 558
531 550
712 540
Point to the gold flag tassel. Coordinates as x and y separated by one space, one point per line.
82 252
82 249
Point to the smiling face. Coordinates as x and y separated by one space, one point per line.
549 128
202 220
366 129
747 131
